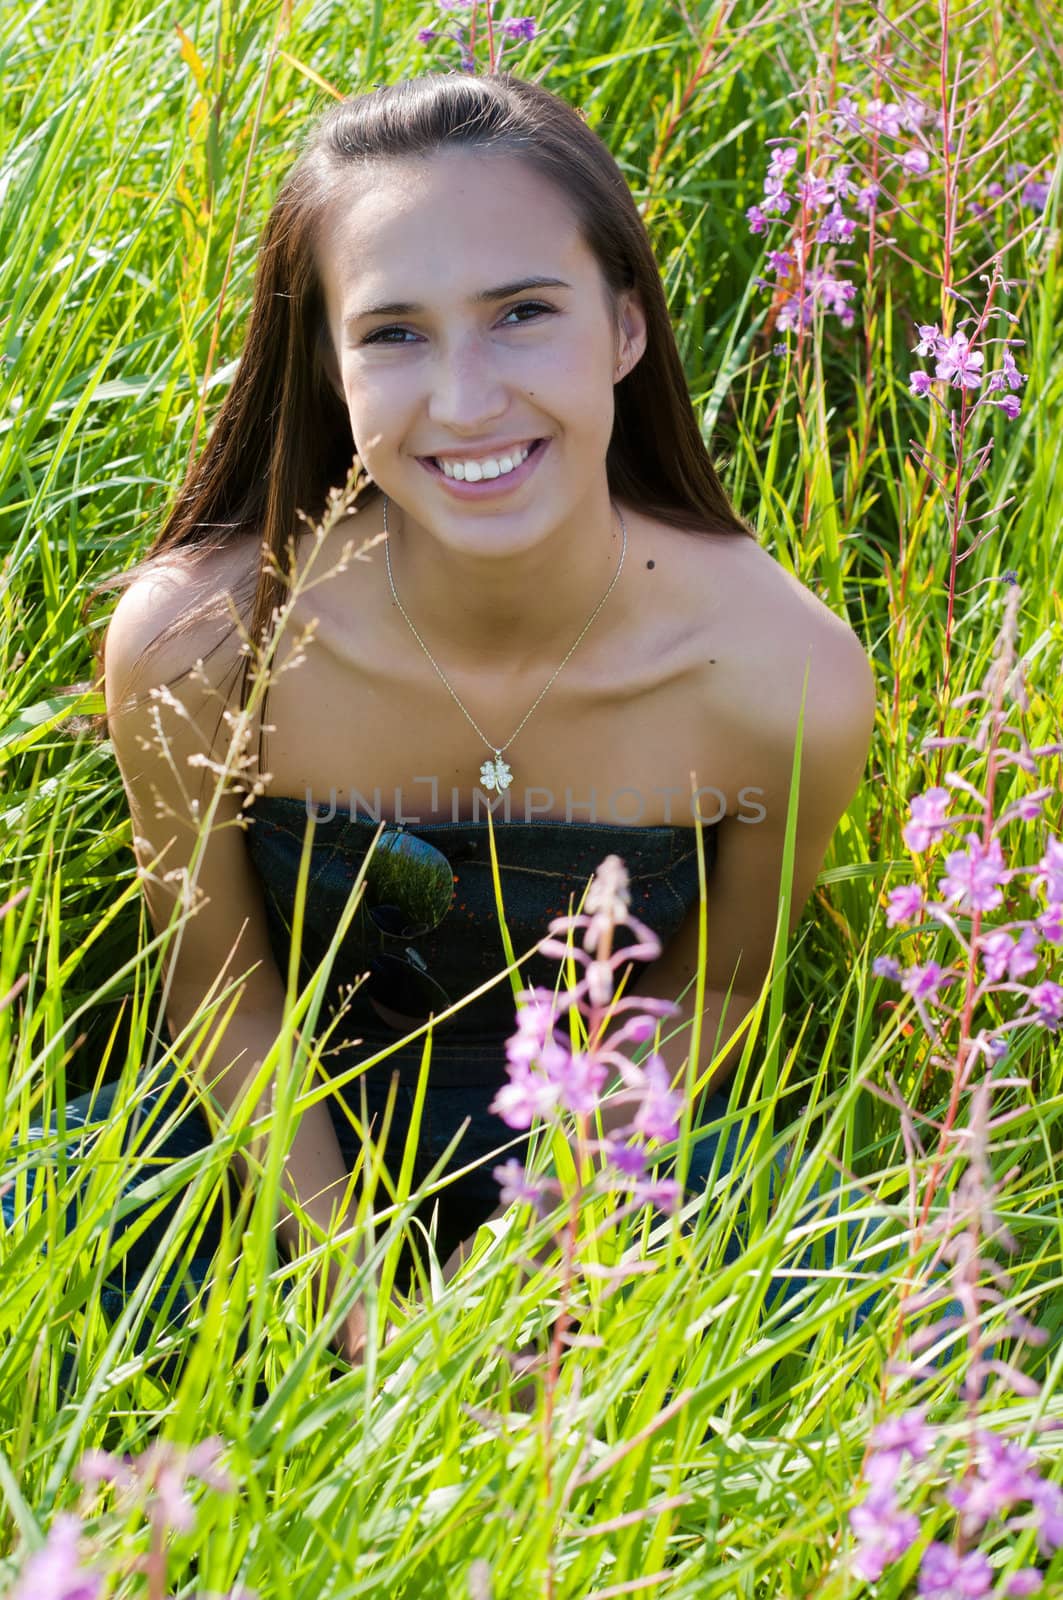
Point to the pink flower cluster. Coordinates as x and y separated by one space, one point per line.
999 1475
157 1478
548 1078
524 28
820 192
959 362
1033 195
974 879
1003 1477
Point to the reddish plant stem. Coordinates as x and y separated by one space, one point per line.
956 516
704 61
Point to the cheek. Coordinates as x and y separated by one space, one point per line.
576 371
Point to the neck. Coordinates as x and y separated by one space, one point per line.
515 609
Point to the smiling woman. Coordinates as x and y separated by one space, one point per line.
456 286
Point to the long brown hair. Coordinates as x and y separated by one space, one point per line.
282 438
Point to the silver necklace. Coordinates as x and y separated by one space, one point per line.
496 773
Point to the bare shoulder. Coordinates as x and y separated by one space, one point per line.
179 612
771 629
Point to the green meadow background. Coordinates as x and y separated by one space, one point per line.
140 152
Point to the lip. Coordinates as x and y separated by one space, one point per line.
489 488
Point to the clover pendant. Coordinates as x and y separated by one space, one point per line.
496 775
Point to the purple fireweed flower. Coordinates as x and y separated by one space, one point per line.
930 339
1003 957
920 383
843 184
1010 405
1048 1504
781 162
973 876
627 1158
913 113
883 117
944 1575
1035 194
846 115
580 1079
516 1186
535 1025
426 35
928 819
647 947
1010 372
526 1096
909 1433
100 1466
658 1116
1026 1581
916 163
867 197
885 1533
814 191
1047 997
756 219
608 900
1005 1475
780 261
547 1078
202 1462
905 904
958 364
886 967
777 201
835 293
520 28
53 1572
794 312
162 1466
1050 872
665 1194
925 981
835 226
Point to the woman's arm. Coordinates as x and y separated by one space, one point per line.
745 887
160 746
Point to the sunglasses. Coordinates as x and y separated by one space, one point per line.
409 889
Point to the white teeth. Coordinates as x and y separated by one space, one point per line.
492 467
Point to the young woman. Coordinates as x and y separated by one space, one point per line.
562 617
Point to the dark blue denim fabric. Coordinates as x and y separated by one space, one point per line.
544 866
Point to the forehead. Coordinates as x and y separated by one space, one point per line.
427 228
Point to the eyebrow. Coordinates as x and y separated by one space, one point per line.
407 308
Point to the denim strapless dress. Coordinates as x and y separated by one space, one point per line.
426 932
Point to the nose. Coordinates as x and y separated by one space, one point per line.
469 388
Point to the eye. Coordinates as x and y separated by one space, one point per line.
535 306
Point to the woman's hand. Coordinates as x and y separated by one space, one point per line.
349 1340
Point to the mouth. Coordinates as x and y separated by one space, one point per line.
488 488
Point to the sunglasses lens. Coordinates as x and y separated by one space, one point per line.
401 993
410 885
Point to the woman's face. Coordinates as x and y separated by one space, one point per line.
456 375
